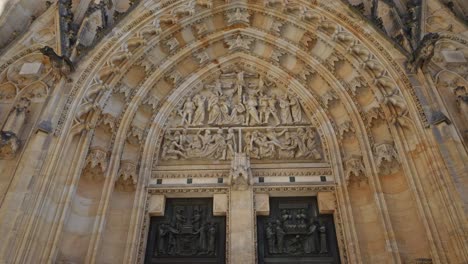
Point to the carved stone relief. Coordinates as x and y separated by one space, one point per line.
241 112
12 128
295 231
187 231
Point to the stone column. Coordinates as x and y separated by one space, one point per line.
241 227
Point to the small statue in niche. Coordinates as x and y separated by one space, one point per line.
199 114
285 110
187 112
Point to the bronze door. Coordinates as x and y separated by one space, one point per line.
294 232
187 233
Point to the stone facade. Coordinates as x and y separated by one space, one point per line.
110 108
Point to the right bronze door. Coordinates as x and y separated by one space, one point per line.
294 232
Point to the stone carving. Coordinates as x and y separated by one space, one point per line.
240 112
239 16
239 42
240 177
205 3
461 94
218 144
386 158
355 171
345 128
423 53
12 128
127 174
185 9
97 158
62 63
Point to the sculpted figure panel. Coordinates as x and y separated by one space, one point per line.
240 112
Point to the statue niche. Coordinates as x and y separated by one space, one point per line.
240 112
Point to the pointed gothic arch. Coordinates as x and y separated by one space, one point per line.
350 86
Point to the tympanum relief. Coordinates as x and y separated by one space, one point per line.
241 112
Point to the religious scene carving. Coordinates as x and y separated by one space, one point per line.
241 112
188 229
294 230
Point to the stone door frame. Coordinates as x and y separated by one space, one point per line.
326 197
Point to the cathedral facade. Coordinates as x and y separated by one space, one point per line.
234 131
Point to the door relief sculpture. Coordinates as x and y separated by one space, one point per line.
188 232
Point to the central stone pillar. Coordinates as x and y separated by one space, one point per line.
242 226
241 212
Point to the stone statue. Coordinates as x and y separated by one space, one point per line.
240 176
272 136
187 112
214 111
252 113
249 148
240 84
296 110
172 149
199 114
231 142
220 145
285 110
263 109
17 117
237 116
289 147
271 111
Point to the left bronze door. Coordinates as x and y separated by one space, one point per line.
187 233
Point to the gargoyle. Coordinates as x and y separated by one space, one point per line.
62 63
423 53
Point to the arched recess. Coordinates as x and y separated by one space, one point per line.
368 114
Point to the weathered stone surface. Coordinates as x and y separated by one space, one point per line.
235 101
